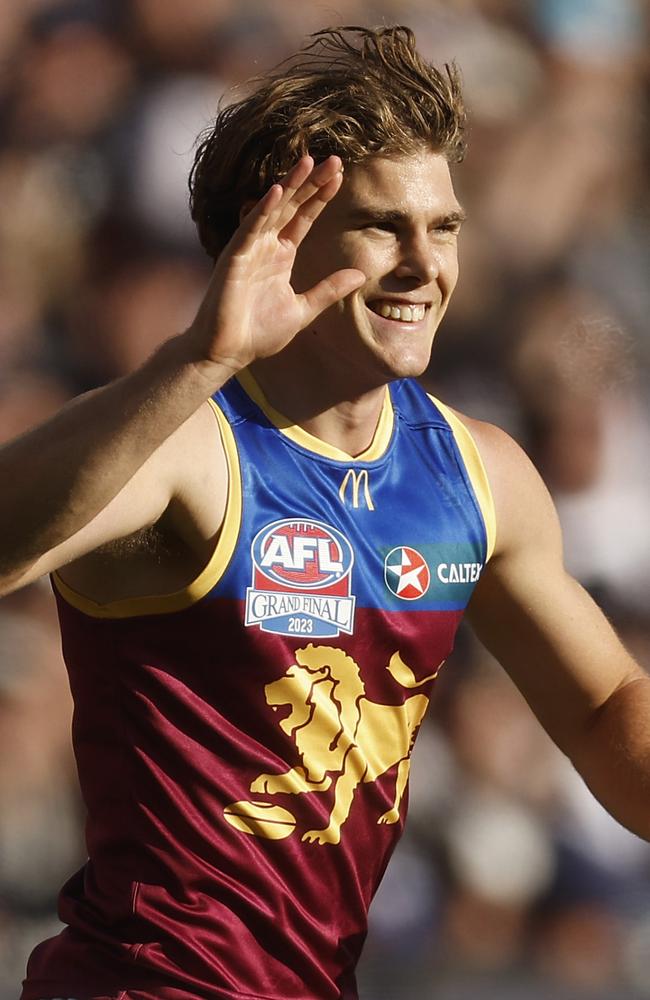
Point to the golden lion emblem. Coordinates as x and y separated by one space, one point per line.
341 736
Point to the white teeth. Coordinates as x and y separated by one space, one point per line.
405 314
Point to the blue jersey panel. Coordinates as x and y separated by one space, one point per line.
403 532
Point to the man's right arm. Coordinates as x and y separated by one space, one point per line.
113 460
111 449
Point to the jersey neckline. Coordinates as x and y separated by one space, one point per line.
294 432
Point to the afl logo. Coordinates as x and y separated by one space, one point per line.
303 554
406 573
301 579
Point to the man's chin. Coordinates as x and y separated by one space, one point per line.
406 364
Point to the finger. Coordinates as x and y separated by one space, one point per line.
330 290
293 181
320 177
283 199
255 219
299 225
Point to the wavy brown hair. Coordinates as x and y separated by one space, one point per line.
354 92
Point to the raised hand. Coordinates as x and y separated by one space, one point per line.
250 309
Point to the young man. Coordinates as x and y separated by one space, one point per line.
305 528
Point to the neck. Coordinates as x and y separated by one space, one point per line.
321 407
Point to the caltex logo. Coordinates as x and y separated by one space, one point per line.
301 579
406 573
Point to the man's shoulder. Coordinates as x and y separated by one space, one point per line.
522 503
497 447
499 452
517 494
160 555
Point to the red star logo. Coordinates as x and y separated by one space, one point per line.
406 573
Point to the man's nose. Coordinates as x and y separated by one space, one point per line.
417 260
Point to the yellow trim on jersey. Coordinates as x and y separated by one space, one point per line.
475 470
130 607
306 440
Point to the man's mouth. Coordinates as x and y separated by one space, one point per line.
403 312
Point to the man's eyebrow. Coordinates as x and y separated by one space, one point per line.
458 215
369 214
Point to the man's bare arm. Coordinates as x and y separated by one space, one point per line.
59 477
586 690
71 484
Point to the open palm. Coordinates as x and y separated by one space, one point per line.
250 309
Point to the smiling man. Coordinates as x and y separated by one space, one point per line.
263 543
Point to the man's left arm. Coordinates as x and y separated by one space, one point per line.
557 645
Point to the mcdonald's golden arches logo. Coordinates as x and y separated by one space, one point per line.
360 486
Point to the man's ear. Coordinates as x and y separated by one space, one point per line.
245 208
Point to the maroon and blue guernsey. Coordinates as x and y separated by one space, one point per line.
244 744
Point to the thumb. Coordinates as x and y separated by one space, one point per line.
330 290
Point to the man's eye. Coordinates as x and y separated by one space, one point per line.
383 227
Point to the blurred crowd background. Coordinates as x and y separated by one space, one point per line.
511 882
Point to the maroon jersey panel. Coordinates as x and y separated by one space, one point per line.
177 769
244 759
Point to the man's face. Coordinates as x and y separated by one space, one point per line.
397 220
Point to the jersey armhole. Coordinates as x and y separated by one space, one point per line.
475 470
209 576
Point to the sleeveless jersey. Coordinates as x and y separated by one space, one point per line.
243 745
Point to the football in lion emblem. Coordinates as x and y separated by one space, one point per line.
342 738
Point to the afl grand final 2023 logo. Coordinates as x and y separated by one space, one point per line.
301 579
